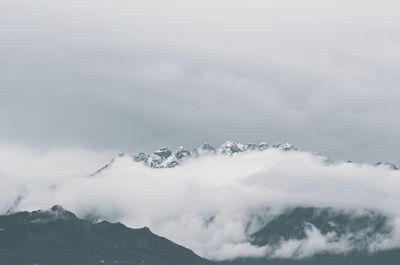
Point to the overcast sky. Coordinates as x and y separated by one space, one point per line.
135 75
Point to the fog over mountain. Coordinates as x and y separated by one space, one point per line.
57 237
215 202
121 111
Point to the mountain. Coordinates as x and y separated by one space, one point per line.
388 257
58 237
390 165
165 158
294 225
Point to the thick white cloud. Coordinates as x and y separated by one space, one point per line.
135 74
206 203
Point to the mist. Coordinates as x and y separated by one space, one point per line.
207 203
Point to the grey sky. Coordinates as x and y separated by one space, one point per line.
134 75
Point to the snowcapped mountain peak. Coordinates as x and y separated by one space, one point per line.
229 148
163 152
262 146
203 149
182 152
140 157
165 158
286 147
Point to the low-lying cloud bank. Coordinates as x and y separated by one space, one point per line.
210 204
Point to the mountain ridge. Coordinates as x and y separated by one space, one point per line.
57 237
166 158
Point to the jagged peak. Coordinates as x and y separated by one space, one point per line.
285 147
387 164
230 147
163 152
140 157
207 146
165 158
57 212
182 152
262 146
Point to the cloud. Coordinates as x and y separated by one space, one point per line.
129 75
210 204
314 243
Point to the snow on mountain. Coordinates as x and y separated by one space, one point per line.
165 158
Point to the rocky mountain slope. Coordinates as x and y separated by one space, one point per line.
58 237
166 158
294 228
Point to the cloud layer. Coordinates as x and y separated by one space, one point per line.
207 203
105 74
